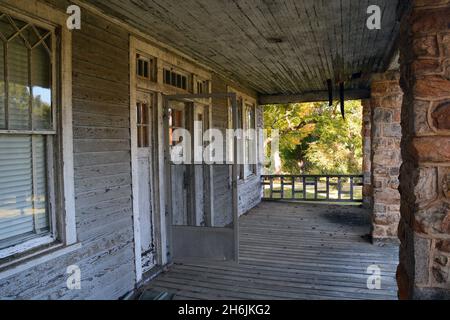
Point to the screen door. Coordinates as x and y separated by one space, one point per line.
195 231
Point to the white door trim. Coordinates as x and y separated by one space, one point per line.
134 161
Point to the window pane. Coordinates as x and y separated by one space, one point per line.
2 87
145 74
41 76
18 86
6 28
139 113
145 111
139 67
167 76
40 193
178 119
22 215
31 36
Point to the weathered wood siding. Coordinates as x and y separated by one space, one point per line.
222 188
249 190
102 174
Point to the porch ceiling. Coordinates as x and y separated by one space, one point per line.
273 46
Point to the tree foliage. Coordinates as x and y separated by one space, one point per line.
315 139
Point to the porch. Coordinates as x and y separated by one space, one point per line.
292 251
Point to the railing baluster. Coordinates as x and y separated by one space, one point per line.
340 188
293 188
304 189
316 189
352 197
271 187
328 188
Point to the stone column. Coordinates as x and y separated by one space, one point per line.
367 154
424 271
386 104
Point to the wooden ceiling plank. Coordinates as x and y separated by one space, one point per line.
321 38
314 96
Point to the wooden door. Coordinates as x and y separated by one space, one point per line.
145 183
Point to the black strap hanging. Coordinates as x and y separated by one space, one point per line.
342 98
330 92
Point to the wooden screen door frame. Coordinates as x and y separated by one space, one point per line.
188 241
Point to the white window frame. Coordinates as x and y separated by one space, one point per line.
244 100
49 18
250 169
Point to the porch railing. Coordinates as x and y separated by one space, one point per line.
325 188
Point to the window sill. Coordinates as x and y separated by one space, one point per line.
36 258
29 245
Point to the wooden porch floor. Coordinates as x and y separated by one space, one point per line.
292 251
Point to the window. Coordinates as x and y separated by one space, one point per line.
240 126
146 67
143 125
176 121
250 140
202 87
175 79
27 131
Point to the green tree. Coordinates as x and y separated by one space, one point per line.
315 139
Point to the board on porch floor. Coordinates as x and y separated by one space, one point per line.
292 251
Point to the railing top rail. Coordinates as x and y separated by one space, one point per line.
313 175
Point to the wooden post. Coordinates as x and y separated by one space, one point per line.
235 197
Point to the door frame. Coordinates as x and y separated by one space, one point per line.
157 86
157 169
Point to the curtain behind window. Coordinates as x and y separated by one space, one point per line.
22 212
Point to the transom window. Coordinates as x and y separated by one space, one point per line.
145 67
27 130
175 79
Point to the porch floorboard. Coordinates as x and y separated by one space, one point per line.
291 251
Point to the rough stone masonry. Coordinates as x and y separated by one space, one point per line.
386 133
424 231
